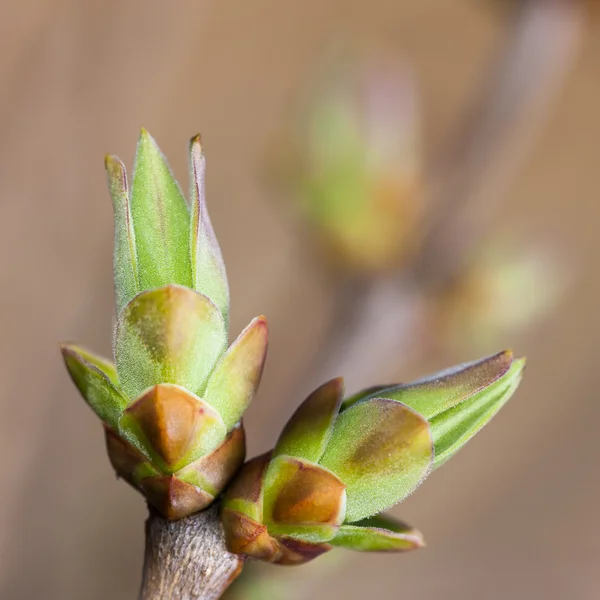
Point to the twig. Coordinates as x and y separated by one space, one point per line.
187 559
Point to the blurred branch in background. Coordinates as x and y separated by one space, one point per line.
464 184
495 136
405 245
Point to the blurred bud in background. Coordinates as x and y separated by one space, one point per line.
351 162
506 288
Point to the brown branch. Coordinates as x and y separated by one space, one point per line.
187 559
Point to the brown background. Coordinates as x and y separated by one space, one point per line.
514 516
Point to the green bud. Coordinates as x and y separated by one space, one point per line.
161 220
330 470
505 288
338 464
173 401
353 163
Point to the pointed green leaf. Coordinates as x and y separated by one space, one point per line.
382 450
453 428
435 394
235 379
168 335
378 534
103 364
95 379
308 431
161 220
125 256
208 269
302 500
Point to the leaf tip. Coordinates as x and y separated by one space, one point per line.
146 141
109 161
65 348
196 144
261 323
337 384
117 175
417 539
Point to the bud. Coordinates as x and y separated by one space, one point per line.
502 291
352 163
338 464
330 471
173 400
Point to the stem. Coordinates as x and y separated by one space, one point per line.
187 559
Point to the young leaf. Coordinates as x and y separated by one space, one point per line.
382 450
103 364
309 429
208 269
439 392
378 534
161 220
168 335
237 375
95 385
453 428
125 254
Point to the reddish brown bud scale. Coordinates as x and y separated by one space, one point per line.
309 495
175 496
248 483
170 418
125 458
245 536
296 552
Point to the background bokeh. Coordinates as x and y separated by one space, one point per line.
514 515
